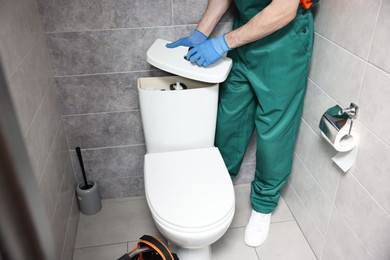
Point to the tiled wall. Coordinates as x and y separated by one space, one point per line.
346 215
98 50
26 63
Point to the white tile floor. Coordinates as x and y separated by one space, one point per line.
116 229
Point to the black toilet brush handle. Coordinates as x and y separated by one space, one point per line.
78 151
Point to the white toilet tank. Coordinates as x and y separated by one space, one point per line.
176 120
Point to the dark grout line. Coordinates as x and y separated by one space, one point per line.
119 243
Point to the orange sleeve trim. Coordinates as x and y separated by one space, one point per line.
306 4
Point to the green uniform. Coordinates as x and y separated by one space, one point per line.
265 91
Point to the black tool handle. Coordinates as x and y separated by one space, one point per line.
78 151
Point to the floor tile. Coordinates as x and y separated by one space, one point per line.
282 213
100 252
232 246
120 220
243 205
285 241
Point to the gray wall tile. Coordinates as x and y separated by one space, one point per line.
29 82
92 52
246 173
380 49
372 166
366 218
336 71
109 163
250 155
374 102
313 198
40 136
19 31
100 93
352 24
191 11
185 30
103 130
74 15
316 154
341 242
310 230
121 187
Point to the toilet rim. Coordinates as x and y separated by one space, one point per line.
228 217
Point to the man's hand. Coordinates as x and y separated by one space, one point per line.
195 38
208 52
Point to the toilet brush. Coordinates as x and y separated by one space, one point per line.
86 186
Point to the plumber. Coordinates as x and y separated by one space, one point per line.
270 45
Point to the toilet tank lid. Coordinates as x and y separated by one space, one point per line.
172 60
189 189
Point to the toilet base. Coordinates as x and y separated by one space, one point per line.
203 253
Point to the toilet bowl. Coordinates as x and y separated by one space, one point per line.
191 198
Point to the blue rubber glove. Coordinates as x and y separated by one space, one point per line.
195 38
208 51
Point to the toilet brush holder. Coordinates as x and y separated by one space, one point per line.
88 198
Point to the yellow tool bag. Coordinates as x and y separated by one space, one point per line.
149 248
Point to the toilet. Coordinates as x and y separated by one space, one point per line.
187 186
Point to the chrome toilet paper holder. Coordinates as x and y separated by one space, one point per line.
336 118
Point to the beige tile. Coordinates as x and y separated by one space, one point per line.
285 241
372 166
29 83
380 45
351 25
20 28
40 136
311 195
316 103
71 231
364 215
310 230
374 102
63 209
54 170
100 252
119 221
336 71
341 242
232 246
317 155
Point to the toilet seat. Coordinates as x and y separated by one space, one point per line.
189 190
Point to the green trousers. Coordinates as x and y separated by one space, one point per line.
264 92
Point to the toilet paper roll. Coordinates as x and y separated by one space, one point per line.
344 141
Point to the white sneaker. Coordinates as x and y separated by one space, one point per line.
256 230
